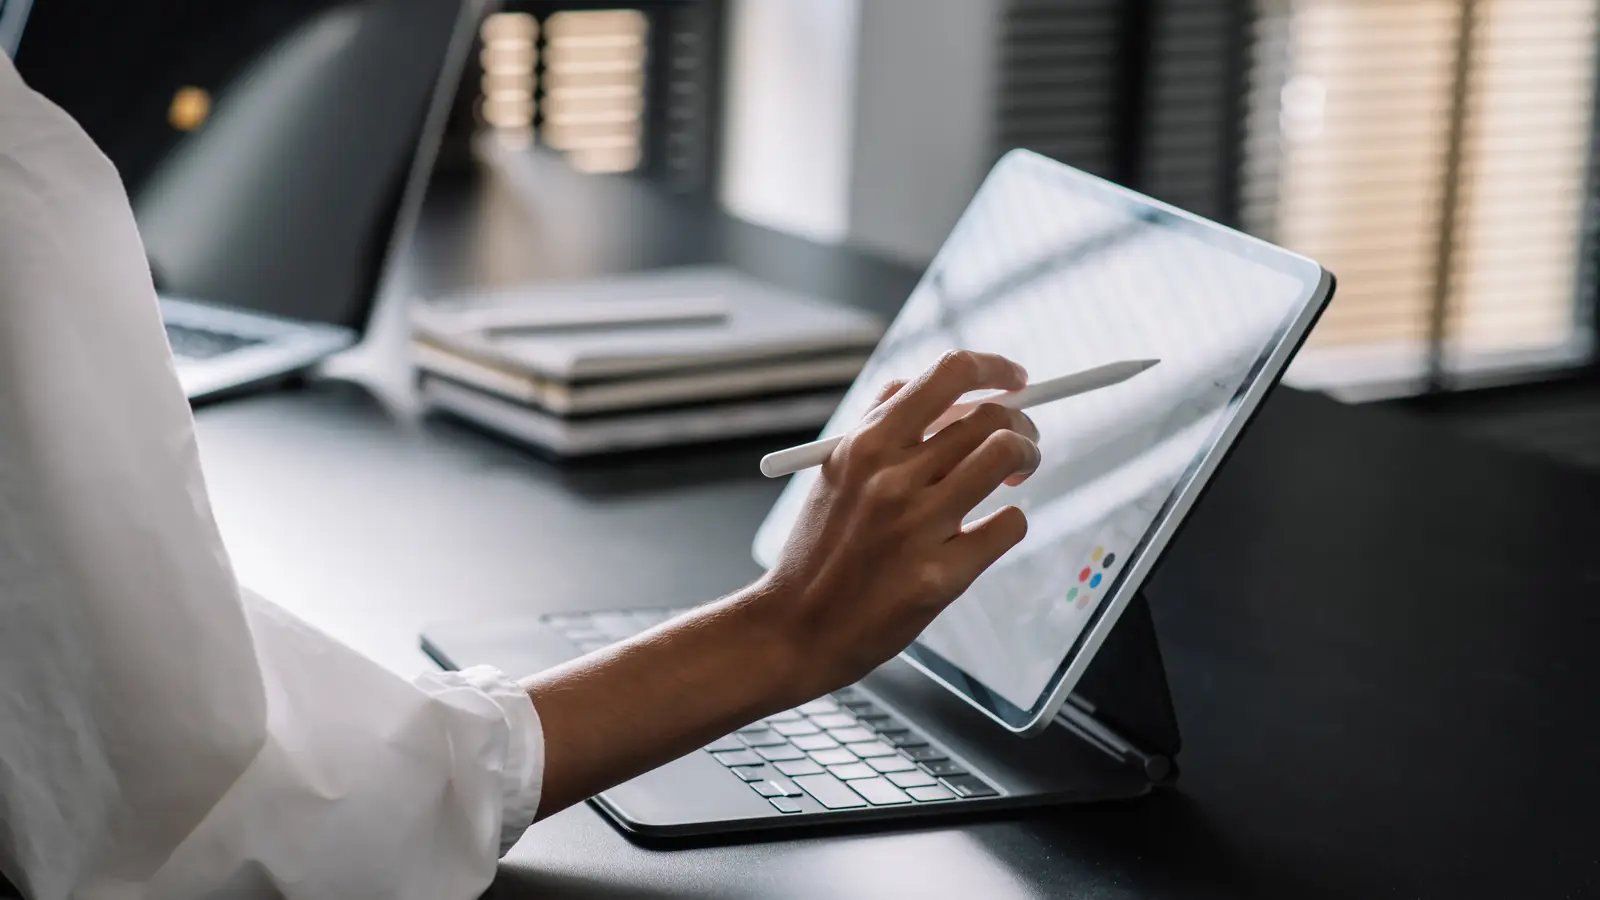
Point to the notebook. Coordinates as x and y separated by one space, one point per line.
640 360
637 431
649 392
581 332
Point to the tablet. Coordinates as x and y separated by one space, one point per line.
1061 271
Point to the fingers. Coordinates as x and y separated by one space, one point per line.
978 545
888 390
946 449
914 409
1001 455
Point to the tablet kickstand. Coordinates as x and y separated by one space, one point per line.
1123 706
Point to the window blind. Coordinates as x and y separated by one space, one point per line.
1060 82
1194 104
1435 154
1147 93
629 88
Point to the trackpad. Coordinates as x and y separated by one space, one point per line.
516 646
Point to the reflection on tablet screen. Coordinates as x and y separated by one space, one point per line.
1060 280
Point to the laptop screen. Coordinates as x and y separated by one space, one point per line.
268 156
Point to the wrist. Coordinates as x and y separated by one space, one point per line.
767 623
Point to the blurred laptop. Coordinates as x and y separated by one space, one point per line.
273 224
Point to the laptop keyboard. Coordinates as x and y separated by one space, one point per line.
844 751
200 343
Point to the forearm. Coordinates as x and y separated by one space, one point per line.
627 709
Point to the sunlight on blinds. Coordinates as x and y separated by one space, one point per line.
593 87
1523 171
1371 121
508 58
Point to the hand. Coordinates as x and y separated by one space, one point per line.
878 552
880 549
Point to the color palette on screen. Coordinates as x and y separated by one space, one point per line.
1089 578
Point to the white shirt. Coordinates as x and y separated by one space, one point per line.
163 733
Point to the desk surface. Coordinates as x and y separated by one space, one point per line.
1379 637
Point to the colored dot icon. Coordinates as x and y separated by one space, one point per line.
1089 579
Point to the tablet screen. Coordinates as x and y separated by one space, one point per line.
1060 272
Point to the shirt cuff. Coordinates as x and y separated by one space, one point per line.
522 772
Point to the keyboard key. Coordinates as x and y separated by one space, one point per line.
969 786
879 792
886 725
763 738
833 720
847 695
591 646
870 749
833 757
204 343
754 726
752 773
724 743
787 715
892 764
904 739
795 728
922 754
853 770
930 794
797 767
862 706
911 779
776 786
738 758
813 742
584 634
564 620
830 791
819 706
781 753
846 735
942 767
785 805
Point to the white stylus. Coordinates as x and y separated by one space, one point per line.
787 462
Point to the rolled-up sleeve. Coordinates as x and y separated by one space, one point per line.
368 785
522 765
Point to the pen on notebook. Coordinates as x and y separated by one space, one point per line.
533 318
792 460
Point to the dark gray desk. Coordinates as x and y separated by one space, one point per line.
1381 639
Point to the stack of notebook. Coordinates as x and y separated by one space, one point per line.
639 361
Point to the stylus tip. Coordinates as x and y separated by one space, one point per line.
1147 363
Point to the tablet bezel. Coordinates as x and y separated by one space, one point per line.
1317 286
